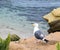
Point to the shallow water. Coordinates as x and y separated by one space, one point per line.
18 19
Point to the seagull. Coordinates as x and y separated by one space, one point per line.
38 34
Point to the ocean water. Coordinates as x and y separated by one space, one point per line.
16 16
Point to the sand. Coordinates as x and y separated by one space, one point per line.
34 44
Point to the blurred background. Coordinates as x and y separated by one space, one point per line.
16 16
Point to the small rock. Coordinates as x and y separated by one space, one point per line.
14 37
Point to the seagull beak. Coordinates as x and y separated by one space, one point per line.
32 24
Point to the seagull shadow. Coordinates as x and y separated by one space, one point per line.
51 42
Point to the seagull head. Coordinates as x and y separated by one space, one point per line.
35 24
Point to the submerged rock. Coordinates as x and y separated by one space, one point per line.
53 19
14 37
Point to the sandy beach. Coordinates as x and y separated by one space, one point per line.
30 43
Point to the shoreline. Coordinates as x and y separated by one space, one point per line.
4 32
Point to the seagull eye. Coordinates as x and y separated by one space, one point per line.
31 23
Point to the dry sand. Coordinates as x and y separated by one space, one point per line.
33 44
